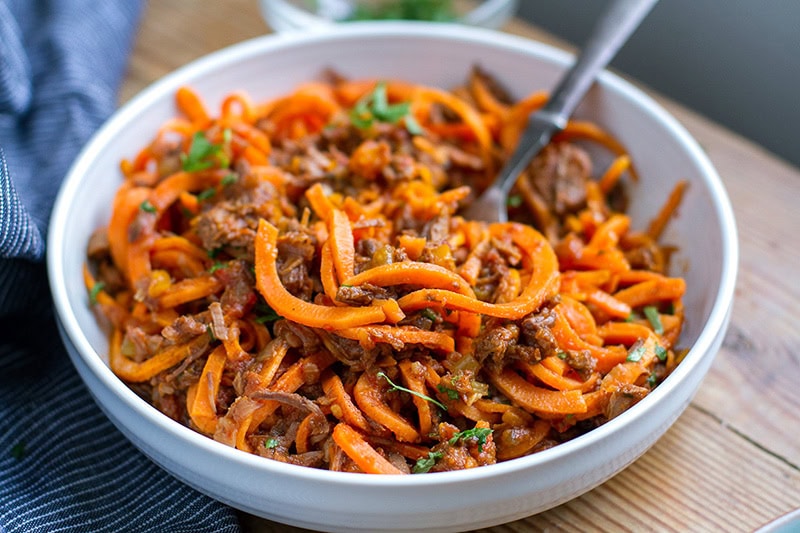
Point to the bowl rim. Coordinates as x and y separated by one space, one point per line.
718 315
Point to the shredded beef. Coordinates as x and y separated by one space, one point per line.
183 329
559 174
362 295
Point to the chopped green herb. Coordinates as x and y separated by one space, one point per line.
206 194
515 200
394 386
147 207
271 443
426 463
431 315
216 266
661 352
430 10
210 331
451 393
475 433
99 286
655 320
635 354
561 355
18 450
375 106
214 252
230 179
265 314
652 380
203 154
633 317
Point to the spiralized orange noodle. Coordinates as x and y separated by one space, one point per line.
293 278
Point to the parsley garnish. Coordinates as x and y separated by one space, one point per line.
515 200
203 154
655 320
451 393
230 179
431 315
562 355
18 450
375 106
635 354
216 266
206 194
432 10
426 463
417 394
266 314
652 380
147 207
99 286
661 352
271 443
475 433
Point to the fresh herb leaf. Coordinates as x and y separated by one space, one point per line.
633 317
210 331
203 154
375 106
412 126
430 10
216 266
451 393
266 314
230 179
431 315
661 352
214 252
394 386
206 194
561 355
18 450
99 286
426 463
475 433
635 354
653 317
652 380
515 200
271 443
147 207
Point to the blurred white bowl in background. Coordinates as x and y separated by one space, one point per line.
289 15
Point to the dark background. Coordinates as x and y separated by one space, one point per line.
735 61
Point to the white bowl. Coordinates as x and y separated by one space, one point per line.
291 15
664 152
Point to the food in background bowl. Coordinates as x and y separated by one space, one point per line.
293 278
705 256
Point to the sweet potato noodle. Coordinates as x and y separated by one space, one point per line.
292 278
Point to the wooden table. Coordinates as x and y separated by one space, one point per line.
732 460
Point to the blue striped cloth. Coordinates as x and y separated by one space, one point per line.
63 465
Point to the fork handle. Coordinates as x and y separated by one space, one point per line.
610 32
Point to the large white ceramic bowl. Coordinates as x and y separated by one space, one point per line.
704 232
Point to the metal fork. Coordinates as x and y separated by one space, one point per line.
611 31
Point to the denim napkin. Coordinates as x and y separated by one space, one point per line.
63 465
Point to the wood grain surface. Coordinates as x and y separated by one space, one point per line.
732 460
